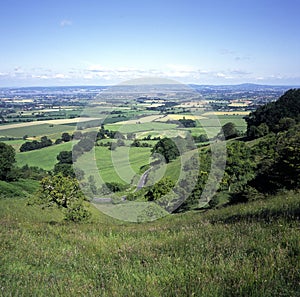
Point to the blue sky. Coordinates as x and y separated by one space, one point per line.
96 42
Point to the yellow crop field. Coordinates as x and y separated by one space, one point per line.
176 117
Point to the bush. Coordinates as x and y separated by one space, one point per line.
63 192
246 195
116 187
214 201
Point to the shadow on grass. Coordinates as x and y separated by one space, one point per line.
264 215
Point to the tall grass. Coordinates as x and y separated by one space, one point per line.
192 254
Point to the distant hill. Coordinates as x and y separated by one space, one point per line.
243 87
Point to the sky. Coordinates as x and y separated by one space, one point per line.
105 42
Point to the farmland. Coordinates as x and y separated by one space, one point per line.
125 158
36 130
124 163
248 248
134 118
44 158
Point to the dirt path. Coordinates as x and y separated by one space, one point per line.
143 180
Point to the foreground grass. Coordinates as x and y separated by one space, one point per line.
243 250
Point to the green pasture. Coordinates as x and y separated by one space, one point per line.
44 158
16 144
36 130
238 120
134 128
122 164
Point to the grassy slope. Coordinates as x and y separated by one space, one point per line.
44 158
243 250
18 188
122 164
107 161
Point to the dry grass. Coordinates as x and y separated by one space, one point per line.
176 117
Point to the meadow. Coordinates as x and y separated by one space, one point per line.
242 250
36 130
122 164
129 127
44 158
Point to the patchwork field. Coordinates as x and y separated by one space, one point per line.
46 158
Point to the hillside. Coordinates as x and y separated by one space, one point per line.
241 250
245 241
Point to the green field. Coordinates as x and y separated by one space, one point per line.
36 130
212 125
134 128
44 158
126 168
223 119
238 120
122 164
243 250
124 161
16 144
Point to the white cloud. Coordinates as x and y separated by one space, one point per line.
42 76
220 74
65 22
102 74
61 76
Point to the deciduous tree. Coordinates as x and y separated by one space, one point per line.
7 160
